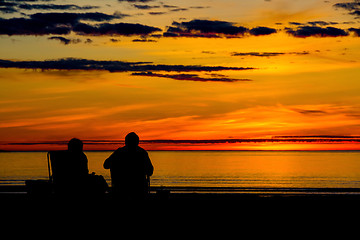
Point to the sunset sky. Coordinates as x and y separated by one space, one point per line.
200 74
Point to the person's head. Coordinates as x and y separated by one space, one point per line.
75 145
132 140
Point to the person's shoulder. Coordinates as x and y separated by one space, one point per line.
121 149
83 155
140 149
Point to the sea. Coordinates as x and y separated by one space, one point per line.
213 169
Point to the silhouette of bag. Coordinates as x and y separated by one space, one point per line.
97 184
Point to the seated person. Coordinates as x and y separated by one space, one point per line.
77 159
130 166
70 172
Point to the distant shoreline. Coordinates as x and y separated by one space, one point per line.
196 150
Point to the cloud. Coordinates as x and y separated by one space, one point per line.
262 31
205 28
111 66
189 77
65 41
48 23
322 23
124 29
132 1
144 40
22 26
64 23
157 13
145 7
213 29
309 112
25 6
73 18
266 54
314 23
352 7
356 31
257 54
311 31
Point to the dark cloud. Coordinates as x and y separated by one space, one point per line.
169 6
257 54
65 41
356 31
73 18
133 1
267 54
114 40
179 9
314 23
311 31
15 6
54 7
144 40
64 23
204 28
145 7
7 7
352 7
319 136
213 29
30 0
189 77
23 26
311 112
111 66
124 29
296 23
322 23
262 31
199 7
348 6
157 13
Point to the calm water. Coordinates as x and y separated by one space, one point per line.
339 169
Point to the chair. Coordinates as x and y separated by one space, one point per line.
68 178
62 174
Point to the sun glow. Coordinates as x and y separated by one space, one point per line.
195 71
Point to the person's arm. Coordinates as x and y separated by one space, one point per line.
86 167
108 161
149 168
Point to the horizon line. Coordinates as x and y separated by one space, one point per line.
290 139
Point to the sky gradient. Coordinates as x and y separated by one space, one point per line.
202 74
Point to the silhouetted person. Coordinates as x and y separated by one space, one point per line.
78 160
70 169
129 167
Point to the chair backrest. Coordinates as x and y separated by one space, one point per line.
60 167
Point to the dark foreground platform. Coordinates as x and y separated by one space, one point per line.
218 197
188 211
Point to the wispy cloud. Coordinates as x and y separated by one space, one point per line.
16 6
267 54
311 31
65 23
213 29
189 77
352 7
111 66
65 41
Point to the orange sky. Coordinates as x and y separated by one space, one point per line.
302 76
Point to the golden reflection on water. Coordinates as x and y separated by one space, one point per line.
216 168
